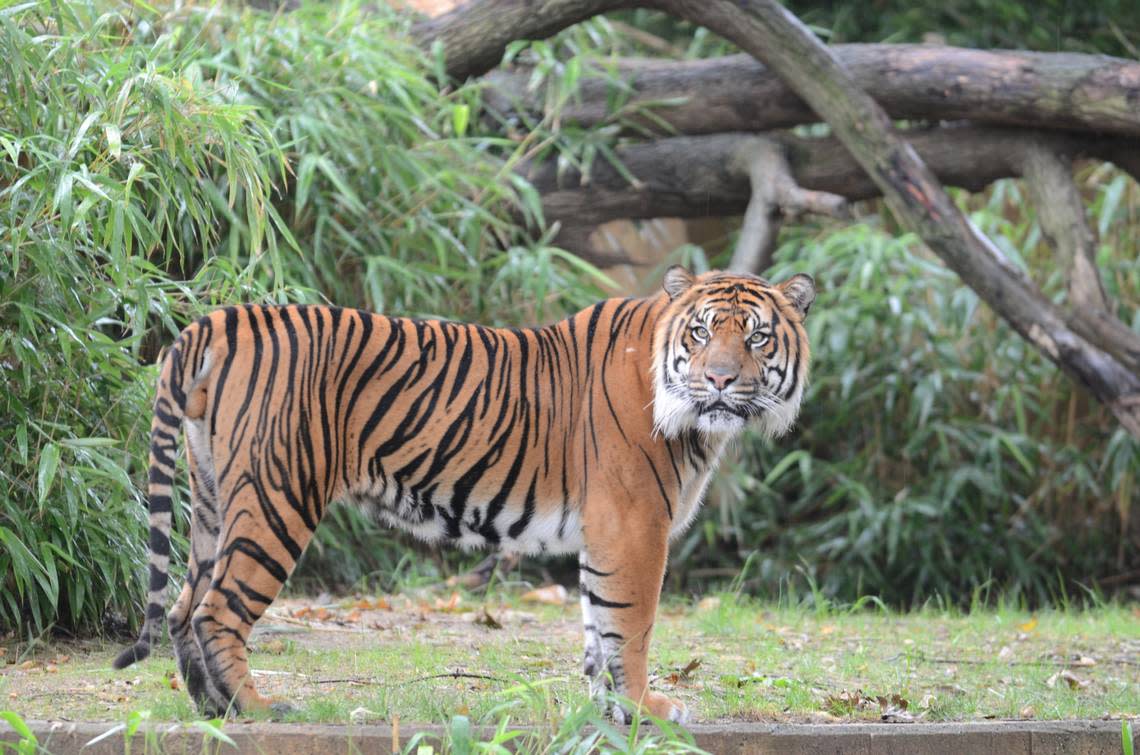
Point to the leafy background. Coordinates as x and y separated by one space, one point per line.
159 161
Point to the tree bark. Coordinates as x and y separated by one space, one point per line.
774 196
1049 178
738 93
692 176
475 35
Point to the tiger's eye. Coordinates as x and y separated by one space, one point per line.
758 338
700 332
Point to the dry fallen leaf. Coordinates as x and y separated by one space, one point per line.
928 701
27 665
450 605
554 595
1027 712
1083 661
679 677
1074 681
1028 626
488 620
895 705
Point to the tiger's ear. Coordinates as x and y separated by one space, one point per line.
799 290
678 280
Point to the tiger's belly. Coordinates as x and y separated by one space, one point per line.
527 526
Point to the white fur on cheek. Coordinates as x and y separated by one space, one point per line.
671 413
779 419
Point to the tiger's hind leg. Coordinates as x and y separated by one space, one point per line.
203 545
254 558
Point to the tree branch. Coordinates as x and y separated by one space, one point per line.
475 35
738 93
774 197
1049 179
1061 213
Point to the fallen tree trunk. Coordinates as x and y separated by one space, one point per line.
693 176
738 93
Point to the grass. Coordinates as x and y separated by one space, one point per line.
428 659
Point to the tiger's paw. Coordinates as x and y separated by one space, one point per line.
666 708
657 705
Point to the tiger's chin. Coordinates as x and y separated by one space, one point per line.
720 422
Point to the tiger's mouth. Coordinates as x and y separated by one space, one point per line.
720 418
720 407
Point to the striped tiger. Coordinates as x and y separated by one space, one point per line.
595 435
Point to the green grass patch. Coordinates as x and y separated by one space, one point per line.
428 659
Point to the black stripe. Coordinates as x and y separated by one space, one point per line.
597 600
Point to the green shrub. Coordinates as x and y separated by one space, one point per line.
157 162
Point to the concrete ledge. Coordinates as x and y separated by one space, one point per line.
996 737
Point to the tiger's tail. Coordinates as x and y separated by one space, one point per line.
169 410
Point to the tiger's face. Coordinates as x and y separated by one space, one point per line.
730 348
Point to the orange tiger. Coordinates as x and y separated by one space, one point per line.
595 435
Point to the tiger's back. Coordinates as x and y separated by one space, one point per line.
476 435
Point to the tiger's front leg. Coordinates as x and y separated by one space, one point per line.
621 570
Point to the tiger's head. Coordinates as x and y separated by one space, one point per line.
730 348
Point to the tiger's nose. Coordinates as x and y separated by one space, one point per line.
720 380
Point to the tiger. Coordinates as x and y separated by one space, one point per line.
594 436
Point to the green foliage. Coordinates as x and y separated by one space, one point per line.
27 744
106 151
1110 27
581 727
938 455
157 162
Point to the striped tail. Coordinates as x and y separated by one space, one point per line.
169 408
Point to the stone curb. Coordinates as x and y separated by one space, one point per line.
983 738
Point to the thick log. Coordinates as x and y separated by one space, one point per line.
918 82
692 176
